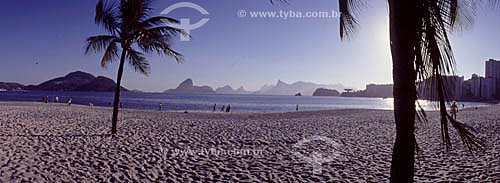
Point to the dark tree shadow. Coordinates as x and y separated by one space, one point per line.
50 136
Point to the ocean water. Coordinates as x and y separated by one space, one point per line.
204 102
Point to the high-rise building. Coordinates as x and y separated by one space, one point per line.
476 86
488 88
492 75
453 88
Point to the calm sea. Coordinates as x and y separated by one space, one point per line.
202 102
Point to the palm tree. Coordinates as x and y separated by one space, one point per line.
420 50
130 27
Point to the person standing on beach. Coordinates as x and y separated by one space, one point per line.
69 101
215 108
161 106
223 107
57 99
228 109
297 107
43 98
46 99
454 110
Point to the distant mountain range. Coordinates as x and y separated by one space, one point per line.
82 81
229 90
75 81
305 88
187 86
281 88
11 86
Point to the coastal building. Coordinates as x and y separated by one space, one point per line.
372 90
492 71
480 88
454 86
476 86
467 89
488 88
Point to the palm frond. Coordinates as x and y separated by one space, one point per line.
491 3
157 40
99 43
471 141
421 114
169 31
111 54
161 47
348 22
178 57
138 61
134 11
158 21
279 1
460 14
434 57
105 16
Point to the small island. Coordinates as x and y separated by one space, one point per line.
326 92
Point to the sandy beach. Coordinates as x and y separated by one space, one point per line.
60 143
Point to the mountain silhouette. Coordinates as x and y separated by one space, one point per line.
305 88
187 86
229 90
99 84
76 81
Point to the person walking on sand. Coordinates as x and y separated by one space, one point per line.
215 108
69 101
228 108
454 110
223 108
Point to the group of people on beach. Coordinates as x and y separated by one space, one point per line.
46 99
223 108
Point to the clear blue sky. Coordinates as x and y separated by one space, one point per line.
228 49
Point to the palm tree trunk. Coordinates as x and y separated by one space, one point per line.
117 93
402 35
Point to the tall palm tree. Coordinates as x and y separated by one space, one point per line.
420 50
130 27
